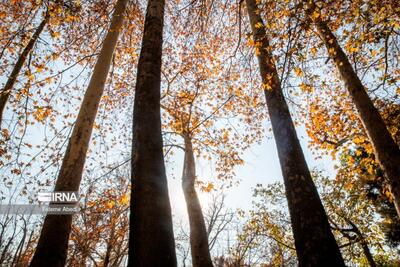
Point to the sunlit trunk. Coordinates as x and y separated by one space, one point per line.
52 246
198 234
386 150
151 237
8 87
314 241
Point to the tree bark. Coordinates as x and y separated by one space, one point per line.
198 234
386 150
8 87
314 241
151 238
52 246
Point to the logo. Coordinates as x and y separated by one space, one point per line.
58 197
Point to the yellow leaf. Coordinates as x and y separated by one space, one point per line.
69 18
259 25
39 68
306 88
110 204
267 85
42 113
48 80
348 186
370 169
314 51
124 200
225 137
208 188
55 56
55 34
315 15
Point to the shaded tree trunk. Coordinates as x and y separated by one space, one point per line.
52 246
8 87
151 237
314 241
198 234
386 150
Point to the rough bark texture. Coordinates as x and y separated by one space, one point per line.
8 87
198 234
314 241
53 242
151 238
385 148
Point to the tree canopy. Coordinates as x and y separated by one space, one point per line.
154 111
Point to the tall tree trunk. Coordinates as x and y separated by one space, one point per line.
385 148
198 234
315 243
8 87
151 237
52 247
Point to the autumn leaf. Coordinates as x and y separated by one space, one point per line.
208 188
259 25
16 171
298 71
124 200
41 113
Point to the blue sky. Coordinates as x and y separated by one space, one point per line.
261 167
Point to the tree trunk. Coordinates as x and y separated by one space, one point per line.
8 87
315 243
198 234
53 242
386 150
151 237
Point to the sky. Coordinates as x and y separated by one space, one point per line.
261 166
